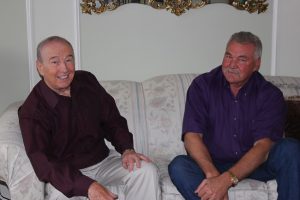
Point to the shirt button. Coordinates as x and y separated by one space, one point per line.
234 135
235 101
234 118
236 153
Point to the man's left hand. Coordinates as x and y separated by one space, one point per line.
131 158
214 188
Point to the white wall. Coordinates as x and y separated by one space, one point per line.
288 40
48 18
136 42
14 76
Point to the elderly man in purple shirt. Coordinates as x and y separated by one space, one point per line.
65 121
232 129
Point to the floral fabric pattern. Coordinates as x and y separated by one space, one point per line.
154 110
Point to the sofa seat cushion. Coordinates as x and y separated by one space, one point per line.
165 181
247 189
272 188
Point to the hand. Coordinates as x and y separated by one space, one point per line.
99 192
214 188
131 158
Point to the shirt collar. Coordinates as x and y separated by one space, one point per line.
51 97
246 88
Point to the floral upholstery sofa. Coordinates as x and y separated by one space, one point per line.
154 110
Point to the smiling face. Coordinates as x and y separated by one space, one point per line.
239 62
57 67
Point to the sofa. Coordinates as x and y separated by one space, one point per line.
154 110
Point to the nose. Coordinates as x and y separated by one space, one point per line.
63 66
233 63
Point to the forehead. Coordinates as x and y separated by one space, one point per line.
56 48
240 48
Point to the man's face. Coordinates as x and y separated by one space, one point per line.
57 66
239 63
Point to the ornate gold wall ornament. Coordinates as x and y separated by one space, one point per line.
251 5
177 7
97 6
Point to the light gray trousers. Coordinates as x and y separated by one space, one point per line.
142 183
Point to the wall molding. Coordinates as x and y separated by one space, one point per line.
77 34
31 38
274 38
31 63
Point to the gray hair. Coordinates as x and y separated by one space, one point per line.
247 38
49 40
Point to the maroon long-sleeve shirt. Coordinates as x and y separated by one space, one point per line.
64 134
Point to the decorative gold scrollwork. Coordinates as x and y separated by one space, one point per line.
251 5
178 7
97 6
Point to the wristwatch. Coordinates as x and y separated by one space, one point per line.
233 178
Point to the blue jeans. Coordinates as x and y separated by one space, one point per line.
283 164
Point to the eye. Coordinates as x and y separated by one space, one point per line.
243 59
69 60
54 62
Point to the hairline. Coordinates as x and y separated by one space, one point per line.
247 38
49 40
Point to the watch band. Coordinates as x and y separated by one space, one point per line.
233 178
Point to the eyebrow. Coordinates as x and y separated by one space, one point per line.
54 57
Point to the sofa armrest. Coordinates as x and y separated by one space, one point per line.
15 168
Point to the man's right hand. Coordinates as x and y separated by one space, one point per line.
98 192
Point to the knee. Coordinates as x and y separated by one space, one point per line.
177 165
149 168
289 148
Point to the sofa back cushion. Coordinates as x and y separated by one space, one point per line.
290 87
129 98
165 101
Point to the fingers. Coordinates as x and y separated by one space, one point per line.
96 191
132 159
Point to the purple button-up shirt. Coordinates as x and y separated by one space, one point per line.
64 134
231 125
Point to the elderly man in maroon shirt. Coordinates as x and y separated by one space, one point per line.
64 122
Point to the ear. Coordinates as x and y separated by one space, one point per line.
257 64
39 67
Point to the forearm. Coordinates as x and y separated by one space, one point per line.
252 159
197 150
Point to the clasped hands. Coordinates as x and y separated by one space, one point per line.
214 188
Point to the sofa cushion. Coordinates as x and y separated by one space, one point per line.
129 99
292 126
272 188
246 189
164 102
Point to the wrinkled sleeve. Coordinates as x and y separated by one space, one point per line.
114 125
270 119
196 108
62 176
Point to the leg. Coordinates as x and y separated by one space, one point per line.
186 176
142 183
53 194
284 162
